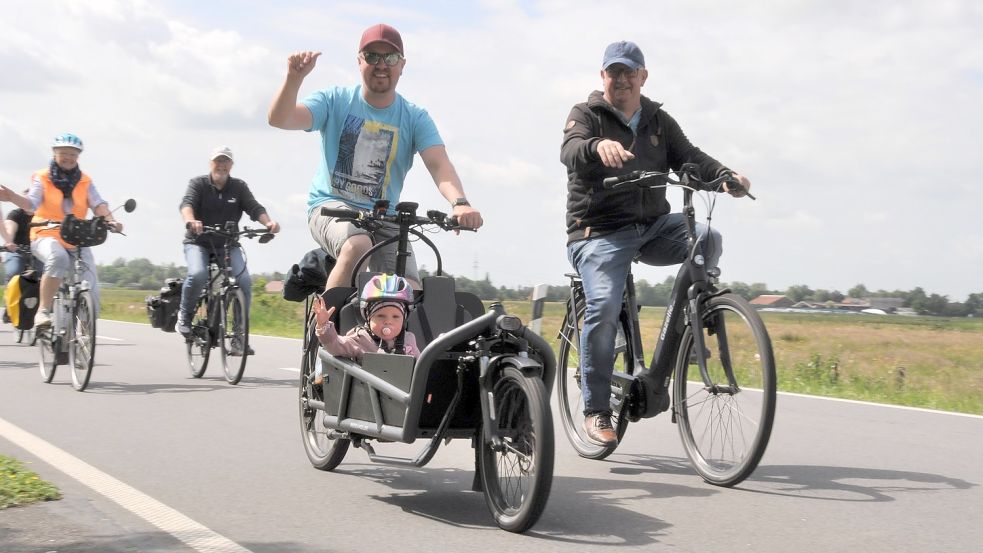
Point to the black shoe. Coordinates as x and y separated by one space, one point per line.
597 427
236 349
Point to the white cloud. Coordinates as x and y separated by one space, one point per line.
856 122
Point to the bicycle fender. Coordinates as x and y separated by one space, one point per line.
524 364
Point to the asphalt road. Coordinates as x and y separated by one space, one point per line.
148 456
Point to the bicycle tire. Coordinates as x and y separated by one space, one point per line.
234 317
323 451
82 341
48 361
18 335
568 383
517 479
199 343
725 428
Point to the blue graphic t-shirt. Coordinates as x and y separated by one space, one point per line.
367 151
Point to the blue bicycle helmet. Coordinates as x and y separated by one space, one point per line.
68 140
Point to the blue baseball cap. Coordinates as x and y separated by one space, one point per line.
625 52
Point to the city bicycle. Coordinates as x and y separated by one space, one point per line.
481 376
71 337
713 348
220 318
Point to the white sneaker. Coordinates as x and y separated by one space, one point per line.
43 318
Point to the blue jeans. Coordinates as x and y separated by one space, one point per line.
603 263
197 260
14 263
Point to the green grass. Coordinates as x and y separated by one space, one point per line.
19 486
931 362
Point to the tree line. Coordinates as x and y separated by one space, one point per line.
145 275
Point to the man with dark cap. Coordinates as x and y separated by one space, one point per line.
369 135
616 131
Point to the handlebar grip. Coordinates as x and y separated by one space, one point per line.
340 213
611 182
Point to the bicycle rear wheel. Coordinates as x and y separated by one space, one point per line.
725 424
568 383
235 335
49 359
517 478
199 342
323 451
82 348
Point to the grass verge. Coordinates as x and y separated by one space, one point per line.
19 486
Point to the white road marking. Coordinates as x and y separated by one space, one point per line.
193 534
110 338
291 369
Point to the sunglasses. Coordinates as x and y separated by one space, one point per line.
372 58
618 72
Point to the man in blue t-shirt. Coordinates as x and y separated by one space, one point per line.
369 135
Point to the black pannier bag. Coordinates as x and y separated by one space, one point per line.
162 310
309 276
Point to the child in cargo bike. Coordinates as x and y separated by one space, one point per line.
384 303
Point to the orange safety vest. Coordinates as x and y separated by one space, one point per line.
51 205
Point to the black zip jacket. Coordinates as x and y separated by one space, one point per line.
658 145
215 207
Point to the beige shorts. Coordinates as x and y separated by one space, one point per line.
331 234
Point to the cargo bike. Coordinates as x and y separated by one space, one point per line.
481 376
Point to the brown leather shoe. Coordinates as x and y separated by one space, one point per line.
599 431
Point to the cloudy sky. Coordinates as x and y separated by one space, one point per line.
857 122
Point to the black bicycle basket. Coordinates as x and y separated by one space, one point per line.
84 232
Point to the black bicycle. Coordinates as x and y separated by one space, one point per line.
220 317
713 348
481 376
71 337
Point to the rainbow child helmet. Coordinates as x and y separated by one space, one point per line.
384 287
68 140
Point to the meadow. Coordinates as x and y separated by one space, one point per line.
930 362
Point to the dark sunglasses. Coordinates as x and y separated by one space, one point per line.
372 58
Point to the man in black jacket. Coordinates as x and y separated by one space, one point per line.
615 132
215 199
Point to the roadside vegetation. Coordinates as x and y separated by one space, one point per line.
19 486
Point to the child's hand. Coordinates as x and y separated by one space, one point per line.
321 314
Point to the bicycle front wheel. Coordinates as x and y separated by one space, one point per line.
517 476
82 347
324 451
48 361
199 342
725 421
569 382
235 335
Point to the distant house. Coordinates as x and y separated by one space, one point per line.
889 305
772 300
274 286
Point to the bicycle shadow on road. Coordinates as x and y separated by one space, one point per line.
809 481
206 384
854 484
580 510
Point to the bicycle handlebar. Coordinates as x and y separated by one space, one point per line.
264 234
360 218
685 175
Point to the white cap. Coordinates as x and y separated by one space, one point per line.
221 151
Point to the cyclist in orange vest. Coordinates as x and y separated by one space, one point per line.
60 189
